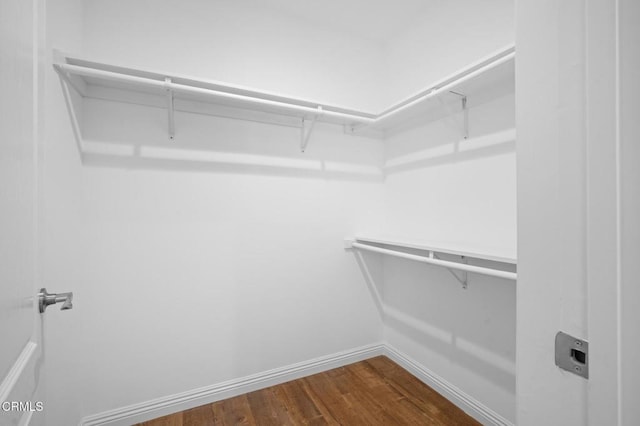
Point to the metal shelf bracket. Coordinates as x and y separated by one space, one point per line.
465 112
461 276
305 135
170 109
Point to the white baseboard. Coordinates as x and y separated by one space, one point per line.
469 405
183 401
148 410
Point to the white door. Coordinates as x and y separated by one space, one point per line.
21 355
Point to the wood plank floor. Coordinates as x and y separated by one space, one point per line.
372 392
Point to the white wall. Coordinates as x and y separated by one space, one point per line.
442 188
456 194
225 272
448 191
240 42
188 273
445 39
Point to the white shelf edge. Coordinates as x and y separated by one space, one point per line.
159 75
495 138
441 90
419 245
357 120
504 52
187 90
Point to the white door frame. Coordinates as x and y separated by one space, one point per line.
578 121
613 210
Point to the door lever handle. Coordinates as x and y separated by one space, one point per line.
45 299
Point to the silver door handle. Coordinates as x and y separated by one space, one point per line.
45 299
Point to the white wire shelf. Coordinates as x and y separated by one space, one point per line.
488 78
390 247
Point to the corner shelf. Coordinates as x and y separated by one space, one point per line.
488 78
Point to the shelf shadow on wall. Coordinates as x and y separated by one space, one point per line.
129 136
493 144
460 351
237 163
453 341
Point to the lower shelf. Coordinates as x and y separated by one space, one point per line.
373 245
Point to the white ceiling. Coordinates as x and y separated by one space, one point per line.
374 19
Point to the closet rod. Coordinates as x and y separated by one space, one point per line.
436 90
434 261
182 88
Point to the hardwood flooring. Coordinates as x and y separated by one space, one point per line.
372 392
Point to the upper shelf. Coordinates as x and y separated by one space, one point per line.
91 78
488 78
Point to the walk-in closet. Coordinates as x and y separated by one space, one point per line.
340 212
